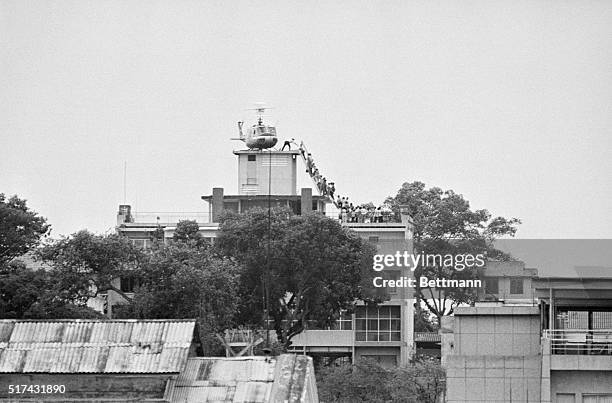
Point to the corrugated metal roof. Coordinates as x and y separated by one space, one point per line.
245 380
94 346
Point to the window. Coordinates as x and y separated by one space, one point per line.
251 170
373 239
344 322
381 323
516 286
596 398
141 243
491 286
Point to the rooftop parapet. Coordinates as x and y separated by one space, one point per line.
164 218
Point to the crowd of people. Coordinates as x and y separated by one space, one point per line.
364 213
325 188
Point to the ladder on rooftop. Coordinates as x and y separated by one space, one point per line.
304 154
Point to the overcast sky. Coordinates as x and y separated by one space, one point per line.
506 102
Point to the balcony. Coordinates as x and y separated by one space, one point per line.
578 349
324 338
579 341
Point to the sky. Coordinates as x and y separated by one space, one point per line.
506 102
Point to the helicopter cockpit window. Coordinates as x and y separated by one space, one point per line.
264 131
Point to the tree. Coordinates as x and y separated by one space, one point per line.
30 294
423 381
367 381
20 228
182 281
84 264
188 231
444 224
423 321
315 269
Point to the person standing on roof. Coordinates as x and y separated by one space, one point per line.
288 144
378 215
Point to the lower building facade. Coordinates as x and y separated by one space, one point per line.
557 348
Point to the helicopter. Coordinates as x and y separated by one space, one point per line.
259 136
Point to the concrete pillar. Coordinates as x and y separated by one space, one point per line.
306 200
407 326
217 203
545 396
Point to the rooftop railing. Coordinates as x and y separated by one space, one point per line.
580 341
170 218
363 219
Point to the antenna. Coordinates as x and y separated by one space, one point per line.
124 182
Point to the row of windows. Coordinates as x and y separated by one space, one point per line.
381 323
344 322
492 286
371 323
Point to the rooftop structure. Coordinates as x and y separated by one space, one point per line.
507 281
93 360
286 378
95 346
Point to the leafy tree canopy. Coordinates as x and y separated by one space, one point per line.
188 231
316 267
366 381
444 223
183 281
84 264
30 294
20 228
423 321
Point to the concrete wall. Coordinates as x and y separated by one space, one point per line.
253 176
497 335
327 338
580 383
493 355
493 379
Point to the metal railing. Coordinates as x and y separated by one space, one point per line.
580 341
170 218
